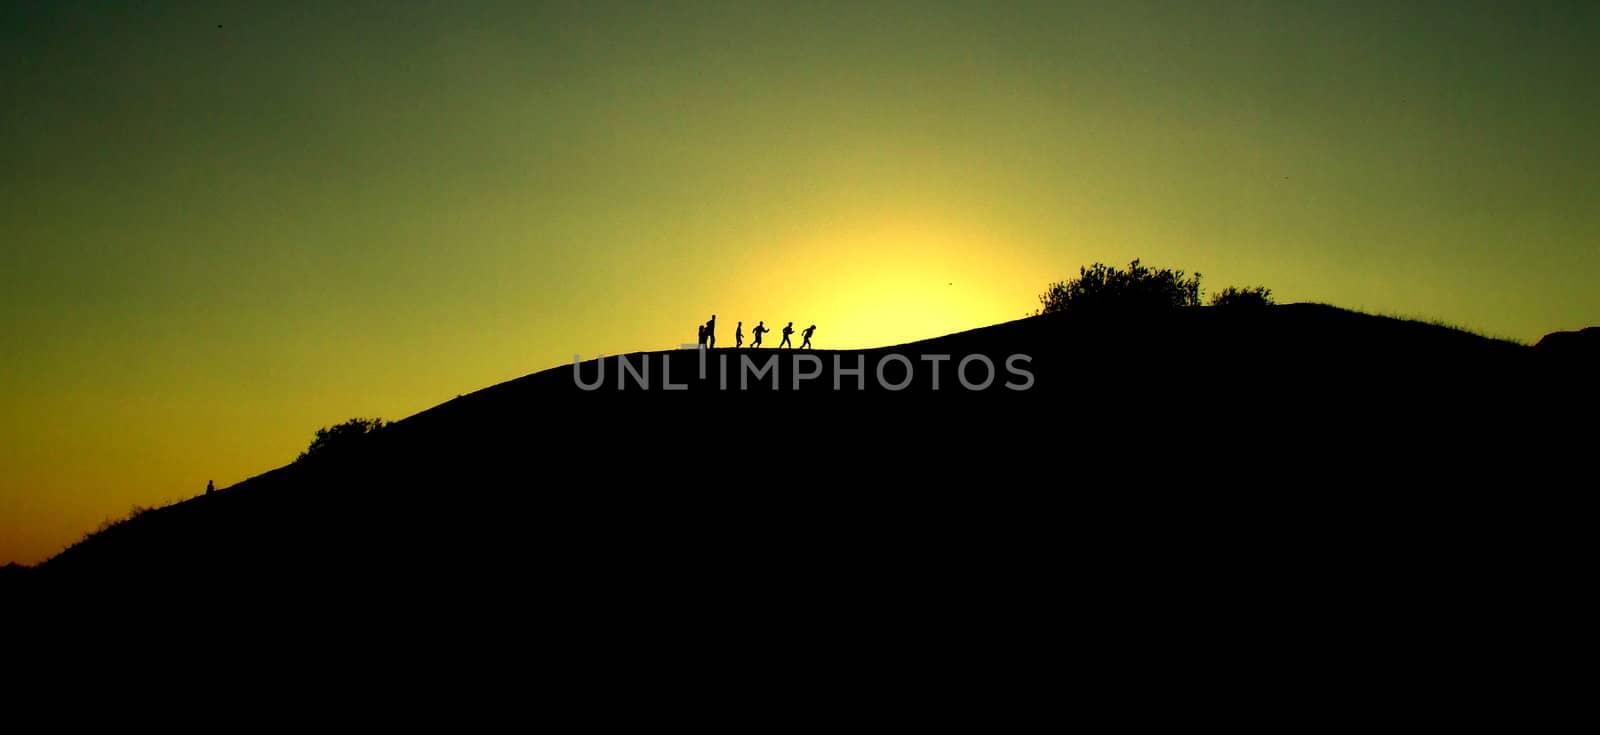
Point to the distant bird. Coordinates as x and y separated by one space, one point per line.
949 284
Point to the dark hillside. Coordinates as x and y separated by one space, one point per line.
1253 443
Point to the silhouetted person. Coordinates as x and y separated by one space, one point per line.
805 344
761 328
701 340
738 335
711 332
788 329
209 487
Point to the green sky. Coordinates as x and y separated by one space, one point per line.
214 240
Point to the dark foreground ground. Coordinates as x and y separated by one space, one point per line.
1175 477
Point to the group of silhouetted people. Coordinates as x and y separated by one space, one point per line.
708 335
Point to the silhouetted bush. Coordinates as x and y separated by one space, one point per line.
1102 287
1250 298
330 440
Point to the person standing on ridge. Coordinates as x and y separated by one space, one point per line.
788 329
805 344
209 487
761 328
738 335
711 332
701 339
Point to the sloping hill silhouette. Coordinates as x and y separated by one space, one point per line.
1204 449
1581 344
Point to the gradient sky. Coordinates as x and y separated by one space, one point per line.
214 240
